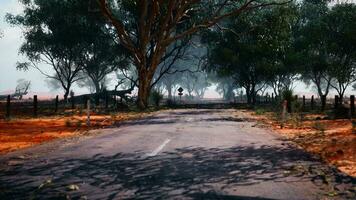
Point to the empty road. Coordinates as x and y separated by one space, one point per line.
176 154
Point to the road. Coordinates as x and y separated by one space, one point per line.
176 154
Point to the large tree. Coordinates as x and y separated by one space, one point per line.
341 28
101 54
53 31
253 49
311 43
147 28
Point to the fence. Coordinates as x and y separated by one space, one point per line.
34 107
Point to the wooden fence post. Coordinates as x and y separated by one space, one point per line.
85 101
323 102
336 101
56 105
8 104
88 112
284 112
106 101
35 104
352 105
303 102
73 102
312 102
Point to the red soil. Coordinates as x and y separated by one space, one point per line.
333 140
22 133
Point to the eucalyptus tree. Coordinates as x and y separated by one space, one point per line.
311 38
341 42
195 84
101 54
53 31
253 48
225 86
283 61
148 28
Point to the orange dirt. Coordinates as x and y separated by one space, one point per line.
22 133
333 140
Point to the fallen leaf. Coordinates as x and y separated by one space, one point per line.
73 187
47 182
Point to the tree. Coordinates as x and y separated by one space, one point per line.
53 31
148 28
225 86
251 47
22 88
283 59
101 54
341 27
311 41
195 83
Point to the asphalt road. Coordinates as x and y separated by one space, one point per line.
180 154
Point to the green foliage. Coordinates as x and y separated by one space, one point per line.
260 111
156 97
288 95
256 48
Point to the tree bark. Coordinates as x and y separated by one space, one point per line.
66 93
144 88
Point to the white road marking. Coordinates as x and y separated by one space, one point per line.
156 151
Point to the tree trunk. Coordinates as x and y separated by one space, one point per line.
144 88
66 93
248 94
97 87
169 90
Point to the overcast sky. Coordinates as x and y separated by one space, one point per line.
9 46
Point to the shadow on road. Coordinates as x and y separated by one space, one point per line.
186 173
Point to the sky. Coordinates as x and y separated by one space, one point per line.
11 42
9 46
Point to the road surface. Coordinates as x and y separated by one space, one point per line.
176 154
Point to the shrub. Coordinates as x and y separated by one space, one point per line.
156 97
171 103
260 111
288 95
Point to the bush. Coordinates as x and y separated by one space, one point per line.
171 103
293 104
156 97
260 111
288 95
